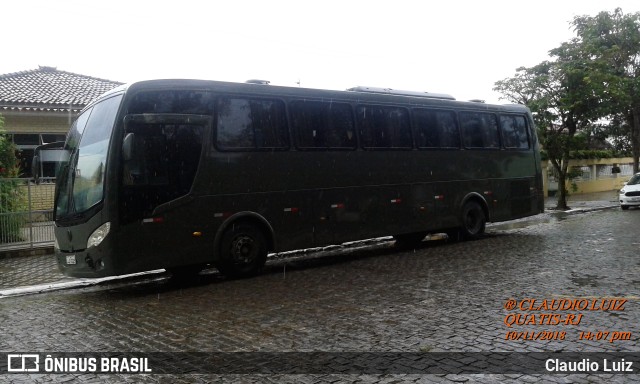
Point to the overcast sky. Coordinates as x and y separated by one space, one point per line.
456 47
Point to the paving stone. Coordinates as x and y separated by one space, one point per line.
440 297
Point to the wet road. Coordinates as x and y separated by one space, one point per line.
441 297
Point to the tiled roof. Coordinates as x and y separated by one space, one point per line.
48 89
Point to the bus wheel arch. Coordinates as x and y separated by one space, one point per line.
242 244
474 214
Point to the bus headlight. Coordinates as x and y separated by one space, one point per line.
98 235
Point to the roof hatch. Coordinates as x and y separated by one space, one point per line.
390 91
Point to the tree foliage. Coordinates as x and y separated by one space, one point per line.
11 199
613 41
593 76
9 166
563 100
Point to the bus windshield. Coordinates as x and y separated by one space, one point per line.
82 176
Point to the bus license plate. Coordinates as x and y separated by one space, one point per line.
71 259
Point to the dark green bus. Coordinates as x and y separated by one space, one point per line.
181 174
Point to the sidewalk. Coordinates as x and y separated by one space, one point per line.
586 201
38 267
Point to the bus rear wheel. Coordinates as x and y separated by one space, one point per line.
243 251
474 221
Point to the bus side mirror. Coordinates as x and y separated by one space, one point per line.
127 146
47 158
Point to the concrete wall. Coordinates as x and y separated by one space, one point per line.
591 181
41 196
36 123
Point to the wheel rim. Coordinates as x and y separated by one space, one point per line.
473 221
243 249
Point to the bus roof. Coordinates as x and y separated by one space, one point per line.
355 94
390 91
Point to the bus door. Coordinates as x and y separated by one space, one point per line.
161 155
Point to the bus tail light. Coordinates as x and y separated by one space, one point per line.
153 220
98 235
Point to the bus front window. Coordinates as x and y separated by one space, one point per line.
82 178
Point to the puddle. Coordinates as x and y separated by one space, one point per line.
584 280
527 222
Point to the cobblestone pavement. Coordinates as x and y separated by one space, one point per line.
29 270
442 297
18 271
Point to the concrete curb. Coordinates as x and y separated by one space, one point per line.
75 283
21 252
580 209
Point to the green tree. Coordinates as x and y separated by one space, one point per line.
618 132
9 166
563 97
613 43
594 76
10 194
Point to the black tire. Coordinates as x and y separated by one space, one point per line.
243 251
624 207
474 221
409 239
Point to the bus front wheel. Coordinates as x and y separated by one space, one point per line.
243 251
474 221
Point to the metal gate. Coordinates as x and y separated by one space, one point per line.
26 213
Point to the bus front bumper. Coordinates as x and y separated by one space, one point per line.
82 263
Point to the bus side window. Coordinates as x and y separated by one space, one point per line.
251 124
146 163
479 130
172 101
448 127
341 130
156 159
325 125
162 153
514 132
384 127
436 129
